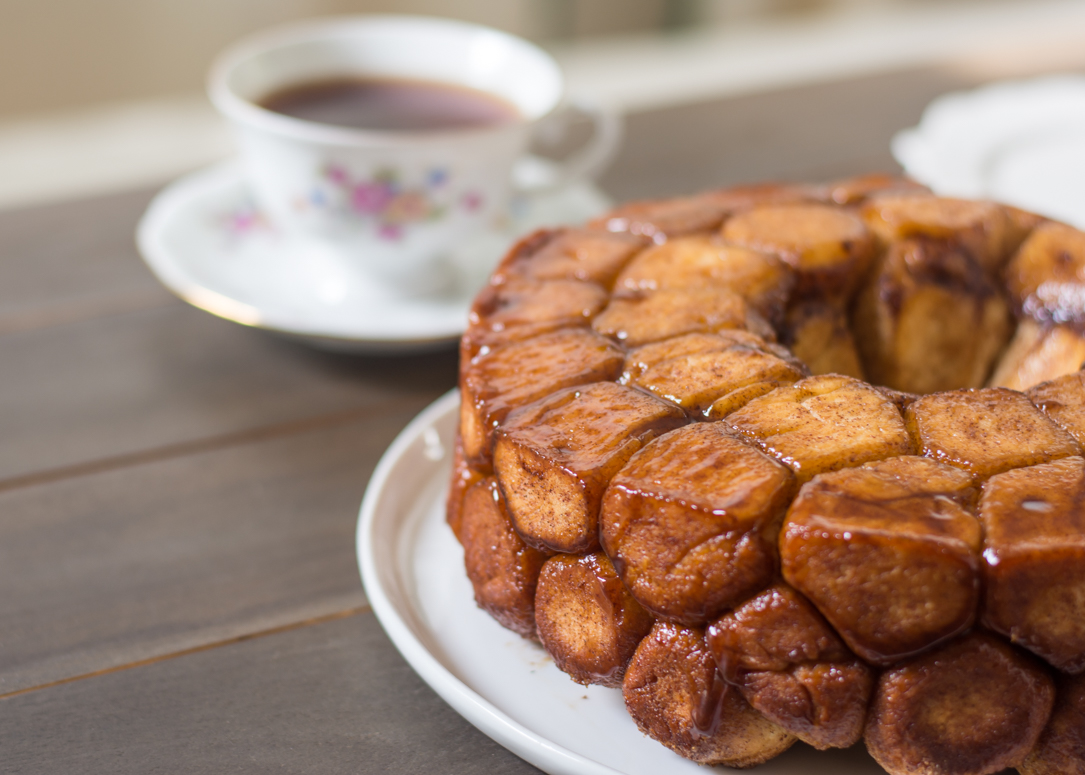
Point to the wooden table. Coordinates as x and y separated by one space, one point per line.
178 494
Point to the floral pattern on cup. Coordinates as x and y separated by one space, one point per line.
385 200
243 220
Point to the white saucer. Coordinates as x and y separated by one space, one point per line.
205 240
1018 142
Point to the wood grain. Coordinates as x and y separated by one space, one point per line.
332 698
102 570
815 133
328 698
74 261
139 381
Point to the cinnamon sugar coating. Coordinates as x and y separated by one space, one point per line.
676 393
555 457
793 668
503 569
676 696
1061 748
1034 552
973 707
691 522
586 618
889 552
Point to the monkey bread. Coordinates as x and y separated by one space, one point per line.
793 463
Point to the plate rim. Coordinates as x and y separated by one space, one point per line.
920 150
483 715
177 194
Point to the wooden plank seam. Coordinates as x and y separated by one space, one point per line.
209 444
337 615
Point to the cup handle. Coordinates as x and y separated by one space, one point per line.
535 175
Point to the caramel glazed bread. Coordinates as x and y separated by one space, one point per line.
792 462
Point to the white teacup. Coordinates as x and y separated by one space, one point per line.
396 203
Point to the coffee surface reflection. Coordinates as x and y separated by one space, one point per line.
391 105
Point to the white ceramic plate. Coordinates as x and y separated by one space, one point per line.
208 243
1018 142
412 568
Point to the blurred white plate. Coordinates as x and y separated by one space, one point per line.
412 568
1018 142
206 241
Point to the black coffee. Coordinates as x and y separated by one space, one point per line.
394 105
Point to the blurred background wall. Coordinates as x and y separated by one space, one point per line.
104 95
64 54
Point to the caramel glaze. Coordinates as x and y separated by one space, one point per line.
503 570
762 279
975 706
590 255
889 552
930 317
693 524
710 711
586 618
661 220
1034 554
675 695
464 477
521 372
829 248
928 261
1044 279
521 309
1061 748
985 432
1063 400
792 667
555 457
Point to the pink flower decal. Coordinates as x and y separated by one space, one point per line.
370 198
245 220
471 201
385 200
336 174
